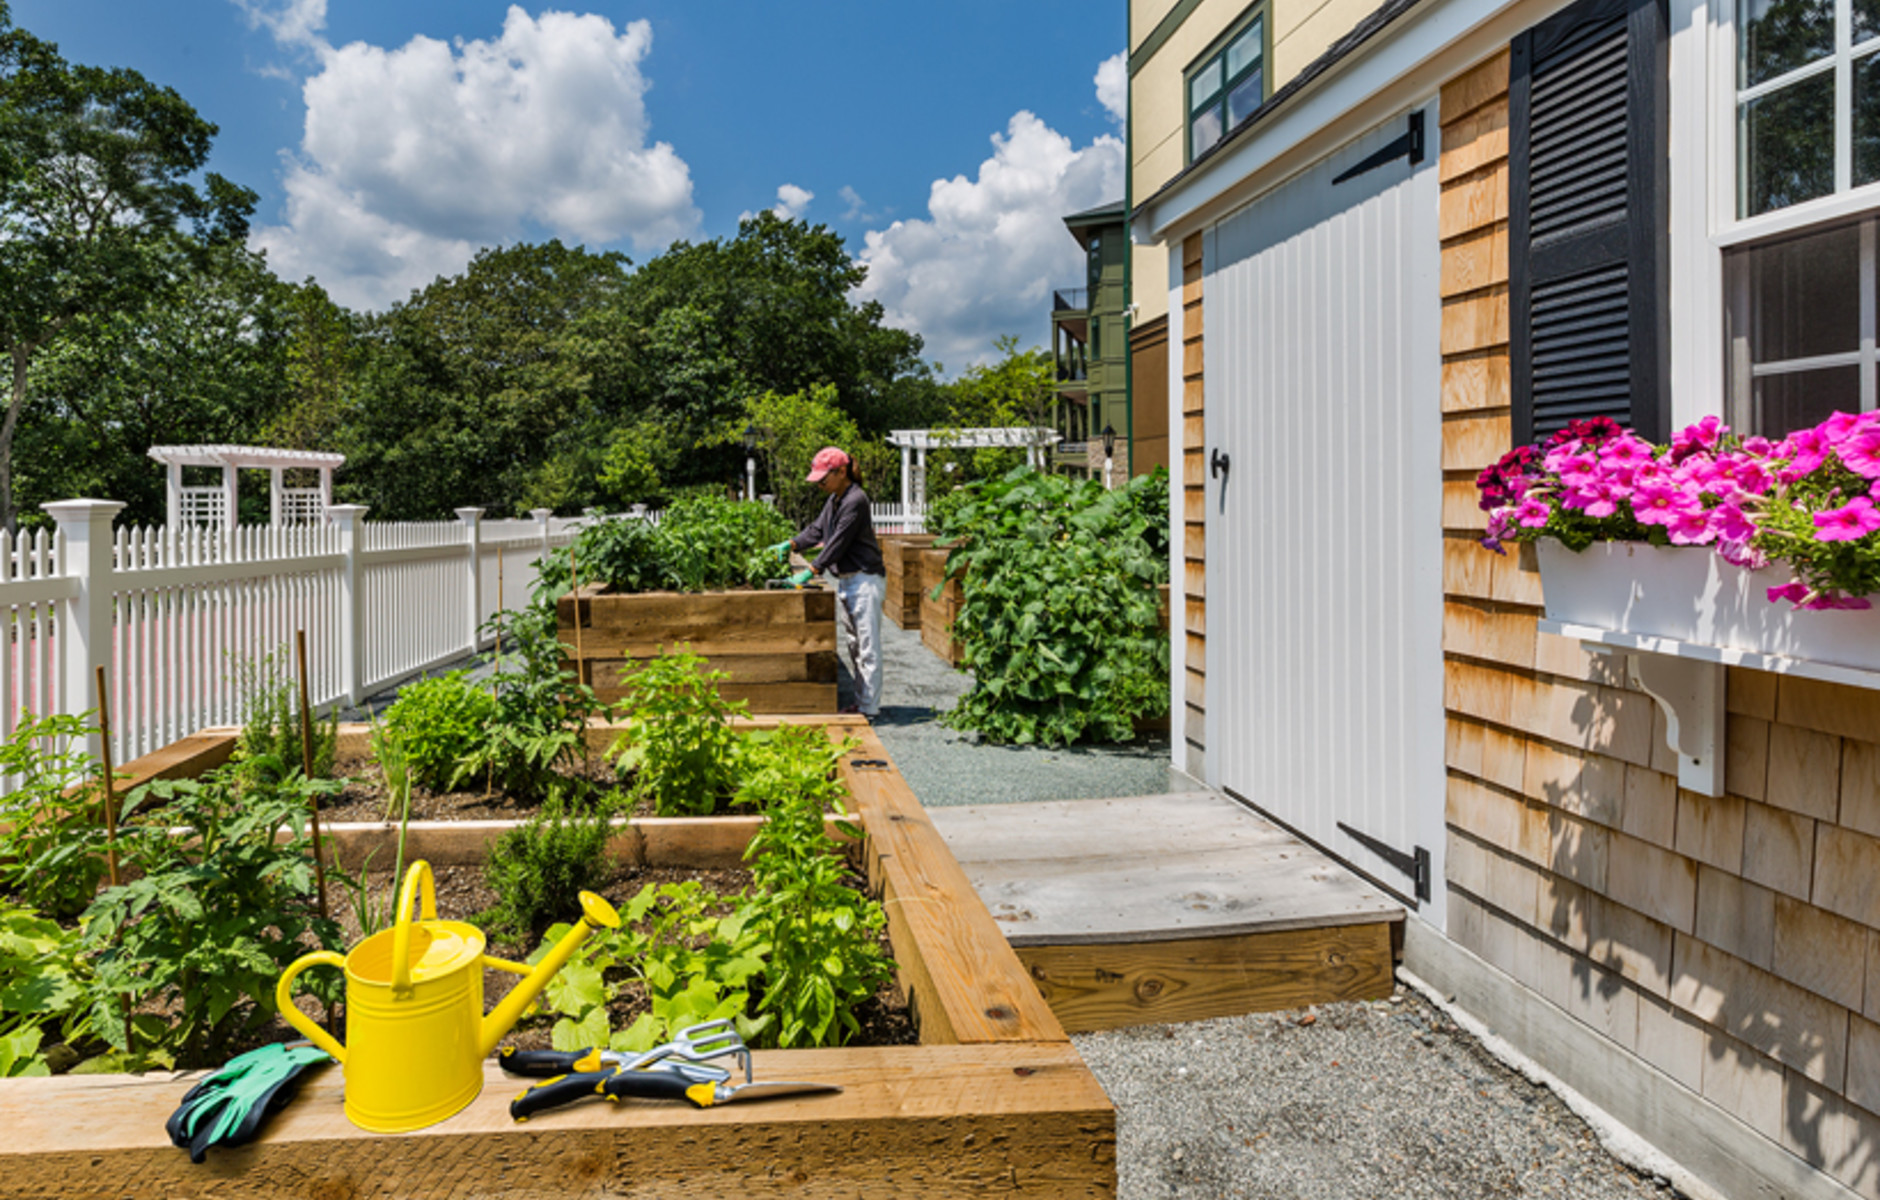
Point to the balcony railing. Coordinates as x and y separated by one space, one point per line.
1070 299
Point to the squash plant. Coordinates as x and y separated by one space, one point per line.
1058 618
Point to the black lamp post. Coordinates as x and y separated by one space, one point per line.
750 462
1109 453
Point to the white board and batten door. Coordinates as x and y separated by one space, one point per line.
1322 342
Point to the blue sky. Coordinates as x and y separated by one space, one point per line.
388 141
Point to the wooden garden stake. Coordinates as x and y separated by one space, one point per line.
306 768
574 580
110 818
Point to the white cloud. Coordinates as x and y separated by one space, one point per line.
411 158
985 260
1113 86
791 203
852 198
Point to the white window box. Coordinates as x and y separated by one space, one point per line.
1683 614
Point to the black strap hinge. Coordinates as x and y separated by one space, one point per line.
1415 864
1409 146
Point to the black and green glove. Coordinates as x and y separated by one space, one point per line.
801 578
229 1107
782 550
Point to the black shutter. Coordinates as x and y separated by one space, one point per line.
1587 220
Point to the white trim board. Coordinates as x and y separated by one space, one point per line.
1713 1145
1423 49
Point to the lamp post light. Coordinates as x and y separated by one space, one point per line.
750 462
1109 453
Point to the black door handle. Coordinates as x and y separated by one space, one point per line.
1217 467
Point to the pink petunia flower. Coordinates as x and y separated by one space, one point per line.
1659 504
1729 523
1861 453
1829 601
1853 520
1794 593
1742 554
1533 514
1690 527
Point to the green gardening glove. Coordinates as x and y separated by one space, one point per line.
801 578
782 551
229 1107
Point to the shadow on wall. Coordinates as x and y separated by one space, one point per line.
1709 1008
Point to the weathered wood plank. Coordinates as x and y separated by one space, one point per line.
1475 261
778 666
1471 441
1474 201
1011 1119
1476 321
660 610
712 641
1475 140
1478 380
1113 986
1475 87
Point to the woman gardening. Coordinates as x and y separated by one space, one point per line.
846 532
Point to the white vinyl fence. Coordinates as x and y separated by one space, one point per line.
175 615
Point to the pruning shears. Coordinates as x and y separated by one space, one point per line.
678 1070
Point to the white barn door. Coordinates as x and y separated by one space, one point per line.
1322 336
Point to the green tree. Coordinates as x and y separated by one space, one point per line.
790 429
466 389
1019 389
98 195
203 360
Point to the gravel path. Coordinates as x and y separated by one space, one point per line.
945 768
1362 1099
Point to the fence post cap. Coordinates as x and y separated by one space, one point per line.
82 509
348 512
469 515
541 514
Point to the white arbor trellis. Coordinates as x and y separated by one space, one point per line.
1034 440
216 505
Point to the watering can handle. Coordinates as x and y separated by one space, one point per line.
420 873
284 1000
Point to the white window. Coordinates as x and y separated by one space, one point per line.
1807 100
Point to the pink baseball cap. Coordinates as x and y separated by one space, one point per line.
827 459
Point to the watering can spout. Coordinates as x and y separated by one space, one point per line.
596 913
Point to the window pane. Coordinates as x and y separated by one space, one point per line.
1866 119
1866 20
1787 145
1799 399
1245 52
1205 132
1245 97
1777 36
1205 84
1803 295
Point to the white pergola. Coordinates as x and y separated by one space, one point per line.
216 505
1034 440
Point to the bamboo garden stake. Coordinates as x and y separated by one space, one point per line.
110 819
306 768
574 581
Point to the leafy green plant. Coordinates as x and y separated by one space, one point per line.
540 869
210 920
824 958
1058 619
538 722
51 835
43 991
702 542
270 698
388 748
678 742
694 964
440 723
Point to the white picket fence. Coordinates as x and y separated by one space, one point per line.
175 615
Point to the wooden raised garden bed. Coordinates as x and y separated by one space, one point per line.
936 615
778 646
994 1101
900 557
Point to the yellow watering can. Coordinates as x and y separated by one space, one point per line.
416 1032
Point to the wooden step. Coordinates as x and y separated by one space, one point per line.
1171 908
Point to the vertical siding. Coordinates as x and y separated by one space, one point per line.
1325 673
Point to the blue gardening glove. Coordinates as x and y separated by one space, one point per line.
781 550
801 578
229 1107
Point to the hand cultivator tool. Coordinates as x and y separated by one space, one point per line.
679 1070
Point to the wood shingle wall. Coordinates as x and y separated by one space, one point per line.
1194 508
1733 943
